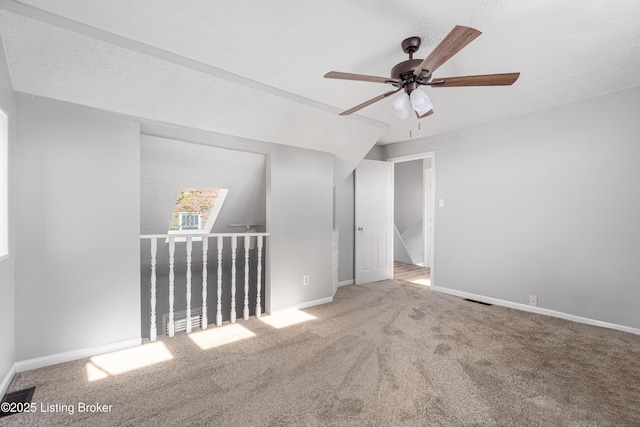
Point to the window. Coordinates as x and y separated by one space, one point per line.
4 184
190 220
196 210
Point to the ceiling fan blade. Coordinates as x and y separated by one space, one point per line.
428 113
369 102
359 77
453 43
505 79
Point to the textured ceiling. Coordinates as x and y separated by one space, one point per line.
254 69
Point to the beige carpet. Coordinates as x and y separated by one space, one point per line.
382 354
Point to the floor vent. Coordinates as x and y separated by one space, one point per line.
17 402
180 320
477 302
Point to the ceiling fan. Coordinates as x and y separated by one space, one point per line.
411 74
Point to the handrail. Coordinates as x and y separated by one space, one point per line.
162 236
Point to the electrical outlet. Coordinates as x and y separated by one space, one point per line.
533 300
305 280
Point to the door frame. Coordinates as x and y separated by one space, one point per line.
429 242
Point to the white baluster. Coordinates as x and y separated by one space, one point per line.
205 248
259 283
234 247
219 305
172 251
189 246
247 243
153 333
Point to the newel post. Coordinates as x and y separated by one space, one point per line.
259 282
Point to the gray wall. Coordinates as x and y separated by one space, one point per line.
408 194
344 221
77 217
377 152
7 281
299 217
167 164
408 206
544 204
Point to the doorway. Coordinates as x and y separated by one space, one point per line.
374 218
413 198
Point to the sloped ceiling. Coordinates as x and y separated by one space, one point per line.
254 69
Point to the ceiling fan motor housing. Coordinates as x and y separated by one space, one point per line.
404 72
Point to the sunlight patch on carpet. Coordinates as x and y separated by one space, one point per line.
423 282
100 367
215 337
286 318
94 373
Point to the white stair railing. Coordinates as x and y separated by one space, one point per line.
190 240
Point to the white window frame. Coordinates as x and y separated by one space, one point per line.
206 228
4 184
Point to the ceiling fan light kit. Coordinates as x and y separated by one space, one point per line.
420 101
400 105
408 75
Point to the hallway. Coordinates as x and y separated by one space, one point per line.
411 273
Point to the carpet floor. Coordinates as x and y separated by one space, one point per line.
382 354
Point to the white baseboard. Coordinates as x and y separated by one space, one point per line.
538 310
4 385
345 283
303 305
54 359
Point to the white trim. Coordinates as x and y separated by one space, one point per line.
4 385
54 359
303 305
417 156
427 212
215 210
4 184
538 310
345 283
200 234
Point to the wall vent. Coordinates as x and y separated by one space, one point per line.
180 320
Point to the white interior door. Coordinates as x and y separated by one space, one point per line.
373 221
